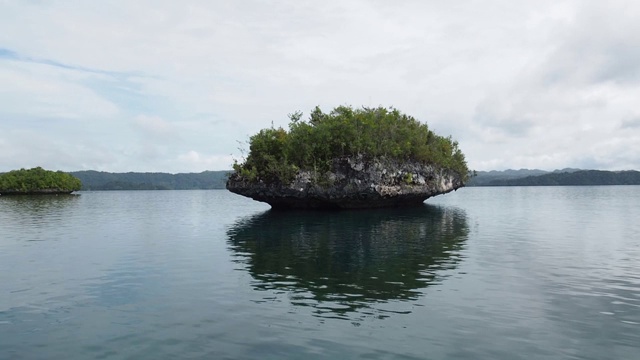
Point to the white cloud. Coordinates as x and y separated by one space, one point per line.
40 90
154 125
31 148
156 85
195 160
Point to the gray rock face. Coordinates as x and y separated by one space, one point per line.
353 182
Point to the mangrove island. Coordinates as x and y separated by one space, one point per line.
37 181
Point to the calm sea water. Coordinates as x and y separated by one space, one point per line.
482 273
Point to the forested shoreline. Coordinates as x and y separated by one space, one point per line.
94 180
567 178
100 180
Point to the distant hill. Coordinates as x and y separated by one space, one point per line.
491 178
484 178
570 178
99 180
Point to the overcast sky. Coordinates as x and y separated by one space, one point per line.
172 86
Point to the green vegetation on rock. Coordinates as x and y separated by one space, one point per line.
276 155
37 180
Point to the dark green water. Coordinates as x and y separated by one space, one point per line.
482 273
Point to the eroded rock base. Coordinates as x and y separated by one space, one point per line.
353 183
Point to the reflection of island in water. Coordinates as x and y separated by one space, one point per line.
36 205
35 217
345 261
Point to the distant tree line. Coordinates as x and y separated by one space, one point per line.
276 155
98 180
484 178
37 180
575 178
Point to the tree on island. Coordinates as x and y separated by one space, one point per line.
276 155
349 158
38 181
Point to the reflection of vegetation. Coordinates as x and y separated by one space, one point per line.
30 212
349 260
37 180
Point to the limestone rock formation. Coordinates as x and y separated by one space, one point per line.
353 182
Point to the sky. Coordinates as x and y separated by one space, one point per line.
180 86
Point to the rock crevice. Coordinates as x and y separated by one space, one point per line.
353 182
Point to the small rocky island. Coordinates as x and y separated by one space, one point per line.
37 181
349 158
